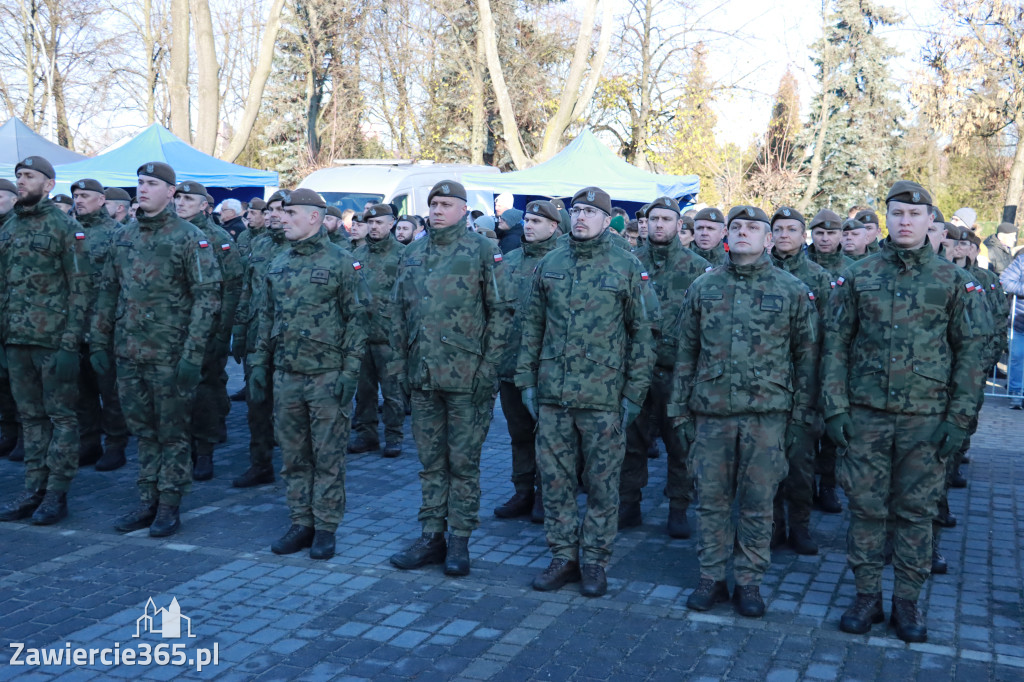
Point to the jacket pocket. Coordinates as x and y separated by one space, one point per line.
603 356
461 342
709 372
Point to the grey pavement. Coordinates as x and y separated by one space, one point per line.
80 584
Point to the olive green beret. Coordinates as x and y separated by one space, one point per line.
378 211
710 214
594 196
953 232
788 213
826 220
852 224
642 212
303 197
38 164
559 204
937 215
158 170
257 204
908 192
667 203
747 213
358 217
116 194
545 209
63 199
8 186
190 187
447 188
87 185
687 223
334 211
867 217
276 196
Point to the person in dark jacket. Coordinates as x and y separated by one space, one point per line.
1000 247
509 230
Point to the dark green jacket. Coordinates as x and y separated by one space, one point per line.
715 256
262 250
748 345
834 262
814 277
904 336
160 292
245 240
998 304
46 278
381 259
586 328
519 265
100 230
231 271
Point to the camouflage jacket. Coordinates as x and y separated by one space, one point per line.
614 237
338 237
989 285
314 318
262 251
519 265
586 330
903 335
814 277
231 271
748 345
715 256
160 292
100 230
46 278
834 262
381 259
449 309
245 240
672 269
855 257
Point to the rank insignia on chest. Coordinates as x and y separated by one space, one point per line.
357 265
225 247
644 276
203 243
79 235
771 303
320 276
497 258
841 281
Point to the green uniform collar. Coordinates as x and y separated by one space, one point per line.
157 221
587 248
42 206
661 253
538 249
910 258
760 265
93 219
199 220
443 236
381 245
311 244
713 255
277 235
788 263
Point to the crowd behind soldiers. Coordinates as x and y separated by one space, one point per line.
772 370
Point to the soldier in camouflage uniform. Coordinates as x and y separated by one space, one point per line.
10 425
797 490
540 227
118 202
99 407
210 405
157 308
313 325
357 231
855 239
332 222
381 255
871 230
671 268
901 373
708 235
449 312
641 224
584 367
743 395
260 413
257 226
46 280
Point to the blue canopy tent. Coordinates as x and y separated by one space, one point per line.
583 163
18 141
116 168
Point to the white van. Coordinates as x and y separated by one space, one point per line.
353 183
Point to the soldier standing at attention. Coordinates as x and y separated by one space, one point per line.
157 307
357 232
871 229
671 268
855 236
826 248
744 380
450 317
210 405
117 204
540 225
256 225
708 234
313 325
46 280
64 203
10 425
381 255
641 224
584 367
797 489
99 407
902 366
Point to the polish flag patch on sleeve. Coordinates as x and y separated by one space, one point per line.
79 235
225 247
644 276
203 243
841 281
970 286
356 265
810 295
833 285
497 258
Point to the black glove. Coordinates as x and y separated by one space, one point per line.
187 376
630 411
100 361
258 384
530 401
839 427
796 433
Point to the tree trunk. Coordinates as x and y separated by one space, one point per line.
477 135
508 115
819 151
177 79
208 116
258 82
638 135
149 44
1015 186
64 138
28 14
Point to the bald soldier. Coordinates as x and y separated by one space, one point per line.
708 235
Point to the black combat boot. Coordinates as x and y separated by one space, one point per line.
957 479
392 450
113 456
456 562
9 440
203 469
939 565
53 508
428 549
323 545
559 573
630 515
89 452
18 454
253 476
747 601
945 519
22 506
908 621
594 582
800 540
140 517
518 505
708 593
827 499
166 521
297 538
537 513
678 527
865 611
778 528
359 445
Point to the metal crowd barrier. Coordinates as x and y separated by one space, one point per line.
1010 366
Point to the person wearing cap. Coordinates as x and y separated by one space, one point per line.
641 224
871 229
797 490
855 239
156 311
743 395
231 217
671 269
539 238
312 330
10 425
407 227
118 202
826 247
708 234
583 368
900 380
938 232
564 222
46 278
449 312
381 255
966 218
210 405
509 229
686 234
357 231
1000 247
260 413
8 197
256 220
99 406
332 223
64 203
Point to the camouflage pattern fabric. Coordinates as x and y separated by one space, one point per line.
834 262
245 241
521 432
614 238
519 266
716 256
9 421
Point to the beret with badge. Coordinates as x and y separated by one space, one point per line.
909 192
594 196
303 197
87 185
190 187
710 214
63 199
788 213
257 204
747 213
334 211
116 194
544 209
867 217
8 186
37 164
159 170
667 203
378 211
826 220
447 188
851 224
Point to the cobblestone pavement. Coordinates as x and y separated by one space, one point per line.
355 617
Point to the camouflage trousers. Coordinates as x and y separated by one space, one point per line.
797 489
48 422
953 463
312 426
211 403
654 421
371 375
522 432
742 459
449 430
825 462
99 407
891 470
564 435
159 414
10 423
260 417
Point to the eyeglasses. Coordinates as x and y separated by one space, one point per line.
588 211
